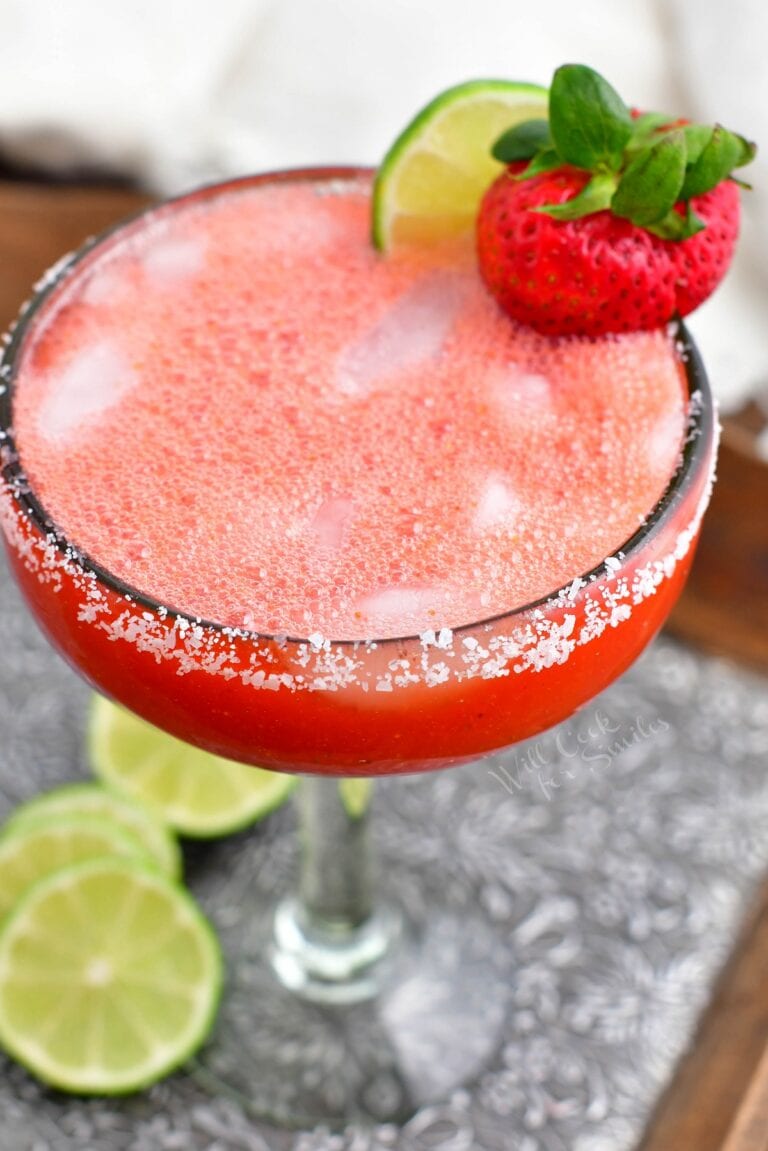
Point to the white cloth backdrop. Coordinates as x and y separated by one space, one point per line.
176 92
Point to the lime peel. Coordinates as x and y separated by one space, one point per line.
34 848
92 986
94 800
199 794
428 186
355 793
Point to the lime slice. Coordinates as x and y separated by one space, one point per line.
36 847
109 978
198 794
355 795
97 802
430 182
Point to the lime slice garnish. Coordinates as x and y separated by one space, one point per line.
429 184
95 801
199 794
109 977
34 848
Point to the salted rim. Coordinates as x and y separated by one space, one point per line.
701 424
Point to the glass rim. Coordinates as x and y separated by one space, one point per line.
694 454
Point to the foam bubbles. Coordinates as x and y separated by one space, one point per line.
472 467
95 380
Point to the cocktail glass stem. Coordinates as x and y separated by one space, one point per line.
332 937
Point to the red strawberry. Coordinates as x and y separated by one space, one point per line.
598 273
702 260
608 220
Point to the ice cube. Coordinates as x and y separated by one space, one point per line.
401 609
92 383
105 286
331 520
498 505
169 261
665 440
517 392
412 331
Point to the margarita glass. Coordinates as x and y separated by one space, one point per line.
348 707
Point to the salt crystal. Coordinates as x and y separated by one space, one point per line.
92 383
52 274
413 330
574 588
619 613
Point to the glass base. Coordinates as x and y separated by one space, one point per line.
338 967
428 1020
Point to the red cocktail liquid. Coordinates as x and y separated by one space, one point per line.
233 423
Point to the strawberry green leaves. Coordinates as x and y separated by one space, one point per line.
590 123
720 154
651 183
522 141
594 197
644 168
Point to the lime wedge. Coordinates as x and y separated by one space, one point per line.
429 184
97 802
198 794
109 978
37 847
355 795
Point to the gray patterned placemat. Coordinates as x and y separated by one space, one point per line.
615 857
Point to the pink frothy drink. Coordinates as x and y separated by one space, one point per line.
249 453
